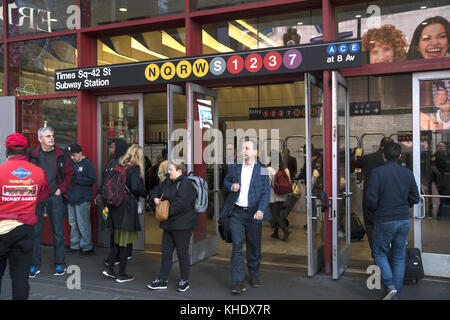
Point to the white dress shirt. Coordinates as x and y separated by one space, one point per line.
246 177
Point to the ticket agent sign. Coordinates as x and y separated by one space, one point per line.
303 58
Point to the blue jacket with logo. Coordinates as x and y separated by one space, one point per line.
82 182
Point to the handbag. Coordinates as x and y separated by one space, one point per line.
162 210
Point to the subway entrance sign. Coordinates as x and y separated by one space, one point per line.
294 59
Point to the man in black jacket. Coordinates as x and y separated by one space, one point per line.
392 191
367 163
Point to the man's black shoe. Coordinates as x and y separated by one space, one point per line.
87 252
254 281
238 287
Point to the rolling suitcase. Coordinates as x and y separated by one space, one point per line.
356 227
414 267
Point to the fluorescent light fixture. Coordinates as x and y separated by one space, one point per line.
423 7
300 23
247 40
259 34
209 41
358 16
139 46
169 41
107 49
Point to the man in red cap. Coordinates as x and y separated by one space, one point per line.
22 185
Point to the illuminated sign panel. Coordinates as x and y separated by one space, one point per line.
293 59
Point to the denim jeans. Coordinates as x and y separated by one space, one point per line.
80 223
241 225
391 236
54 206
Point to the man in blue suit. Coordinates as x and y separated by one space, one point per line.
246 204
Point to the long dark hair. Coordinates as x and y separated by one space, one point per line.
413 52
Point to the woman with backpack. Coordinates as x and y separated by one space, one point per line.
278 196
124 219
179 226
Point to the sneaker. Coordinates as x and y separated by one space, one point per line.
183 285
238 287
109 272
390 292
60 270
254 281
124 278
87 252
33 272
157 284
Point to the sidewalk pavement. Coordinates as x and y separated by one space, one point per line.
210 280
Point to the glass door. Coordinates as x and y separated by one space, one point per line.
200 146
431 142
120 116
316 204
340 198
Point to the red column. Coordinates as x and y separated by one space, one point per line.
328 35
87 115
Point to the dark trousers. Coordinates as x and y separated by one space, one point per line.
241 224
121 254
16 247
179 239
275 210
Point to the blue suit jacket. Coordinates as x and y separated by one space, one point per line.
259 191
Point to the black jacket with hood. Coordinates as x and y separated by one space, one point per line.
181 195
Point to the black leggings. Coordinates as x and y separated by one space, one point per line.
179 239
122 254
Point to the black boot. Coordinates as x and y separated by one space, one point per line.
275 234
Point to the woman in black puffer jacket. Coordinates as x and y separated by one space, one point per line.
178 228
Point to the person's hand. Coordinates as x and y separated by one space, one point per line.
157 201
259 215
235 187
445 115
444 107
58 192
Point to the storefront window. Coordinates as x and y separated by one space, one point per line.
60 114
397 31
214 4
155 45
28 17
32 64
263 32
106 11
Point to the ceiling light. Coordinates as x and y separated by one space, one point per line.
423 7
123 6
300 23
358 16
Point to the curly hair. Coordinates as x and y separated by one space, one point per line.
387 34
134 155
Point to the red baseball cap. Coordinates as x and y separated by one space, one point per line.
16 141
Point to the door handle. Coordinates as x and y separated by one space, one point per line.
422 208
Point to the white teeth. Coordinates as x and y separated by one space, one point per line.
434 50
